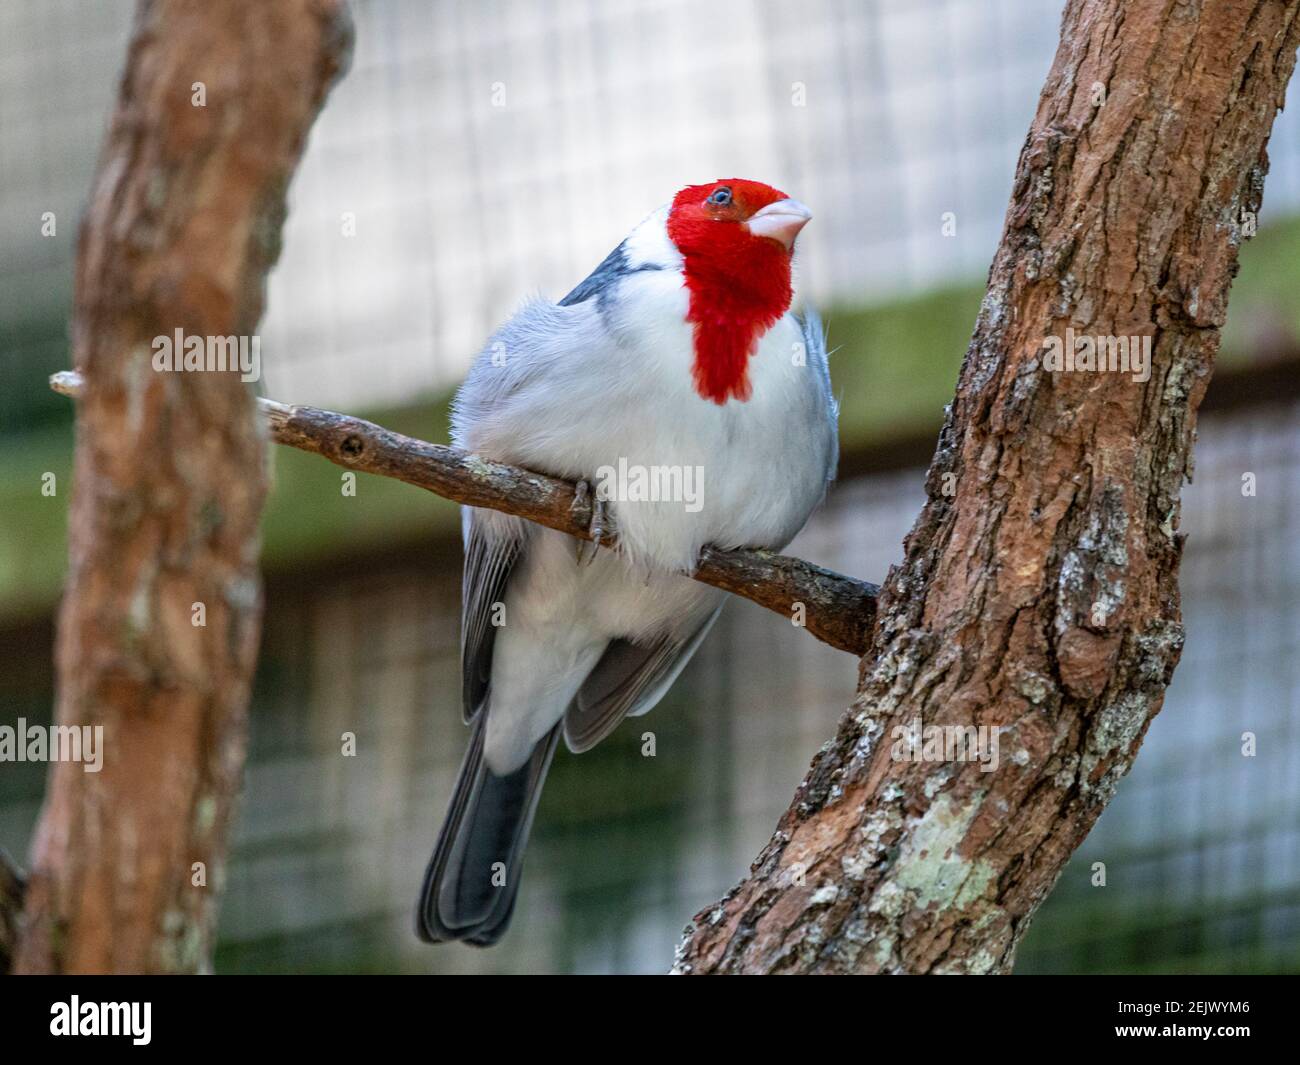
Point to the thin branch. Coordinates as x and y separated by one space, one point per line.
838 610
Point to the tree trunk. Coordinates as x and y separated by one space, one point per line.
182 226
1038 594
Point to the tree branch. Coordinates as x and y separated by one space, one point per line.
838 610
161 615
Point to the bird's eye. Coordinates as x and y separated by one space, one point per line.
721 197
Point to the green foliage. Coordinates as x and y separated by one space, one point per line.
894 366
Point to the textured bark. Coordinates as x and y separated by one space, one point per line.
1038 593
838 610
182 226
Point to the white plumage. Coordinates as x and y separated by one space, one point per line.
566 389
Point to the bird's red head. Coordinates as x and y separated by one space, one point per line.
736 238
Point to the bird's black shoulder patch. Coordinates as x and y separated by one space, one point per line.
612 268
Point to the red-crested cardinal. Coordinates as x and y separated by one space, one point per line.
675 380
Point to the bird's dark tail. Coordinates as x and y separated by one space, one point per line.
473 877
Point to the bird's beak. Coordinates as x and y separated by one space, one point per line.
780 221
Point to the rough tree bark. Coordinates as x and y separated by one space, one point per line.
182 226
1038 594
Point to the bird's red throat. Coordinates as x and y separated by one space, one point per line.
739 287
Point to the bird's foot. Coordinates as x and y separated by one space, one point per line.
599 525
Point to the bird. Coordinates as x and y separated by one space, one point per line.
678 353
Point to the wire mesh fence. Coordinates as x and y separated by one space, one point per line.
1201 846
479 151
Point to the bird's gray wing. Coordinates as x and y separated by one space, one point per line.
814 336
489 558
627 681
512 391
612 269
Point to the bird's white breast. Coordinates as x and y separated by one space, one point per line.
755 467
607 385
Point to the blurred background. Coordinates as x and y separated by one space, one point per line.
478 152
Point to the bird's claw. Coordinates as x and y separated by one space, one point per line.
599 521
